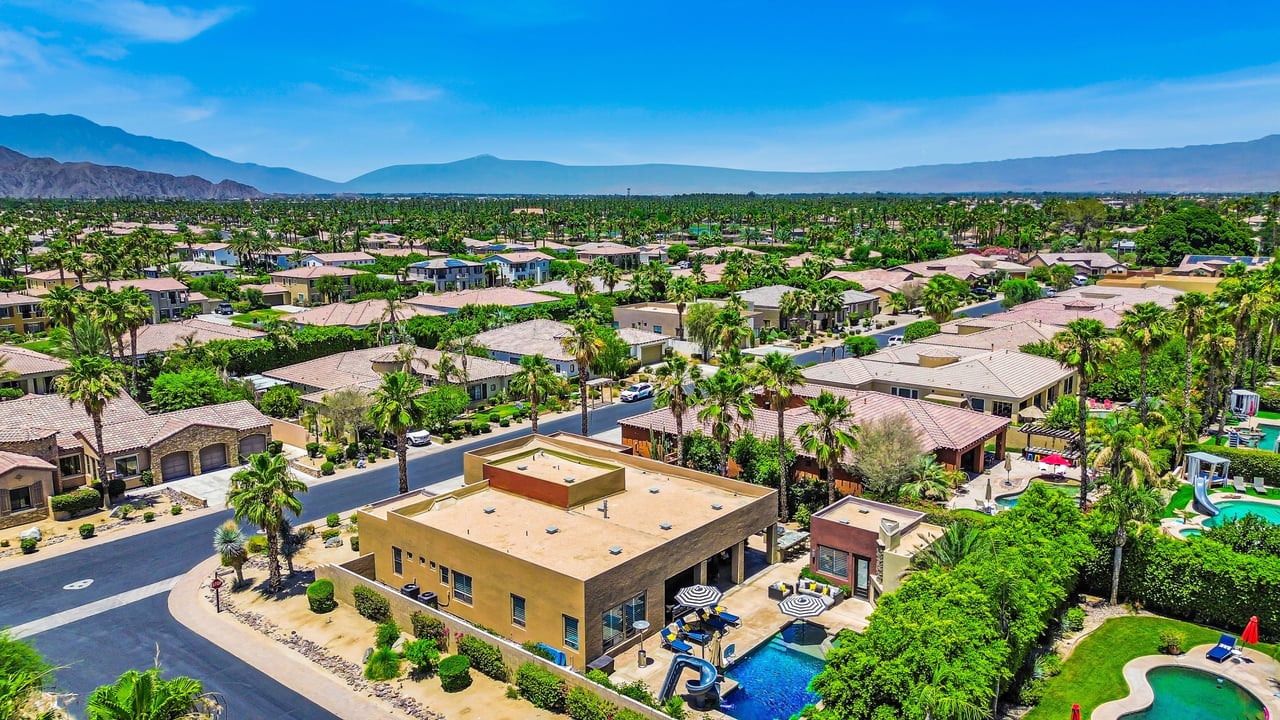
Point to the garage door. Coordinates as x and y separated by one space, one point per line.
213 457
252 445
175 465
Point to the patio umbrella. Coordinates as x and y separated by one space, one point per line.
1075 712
989 490
1031 412
1250 634
1055 459
698 596
802 607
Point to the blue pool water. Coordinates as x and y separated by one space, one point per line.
1012 500
1233 509
1269 435
1191 532
1188 694
773 683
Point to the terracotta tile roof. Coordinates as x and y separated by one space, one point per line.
9 299
356 315
161 284
341 257
1092 260
268 289
635 336
505 296
29 362
24 433
533 337
49 275
356 367
13 461
519 257
313 271
54 412
145 432
1003 374
163 337
1006 336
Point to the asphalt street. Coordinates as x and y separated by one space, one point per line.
95 650
808 357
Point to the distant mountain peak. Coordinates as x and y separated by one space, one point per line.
28 177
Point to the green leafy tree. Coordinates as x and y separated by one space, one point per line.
1017 291
261 494
193 387
919 330
829 435
92 381
1060 276
888 454
399 406
443 404
860 345
960 542
280 401
1192 230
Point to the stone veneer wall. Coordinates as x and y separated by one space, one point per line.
191 441
45 448
359 571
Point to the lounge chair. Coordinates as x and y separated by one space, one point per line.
688 633
1259 486
711 621
1222 651
1045 469
672 641
1237 483
726 616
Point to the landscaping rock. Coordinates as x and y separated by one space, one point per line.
31 533
333 542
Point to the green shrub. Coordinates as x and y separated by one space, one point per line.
256 544
920 329
333 520
1249 463
333 456
455 673
582 704
674 707
355 543
627 714
386 634
541 687
423 655
28 545
353 451
427 627
384 664
313 449
116 487
148 516
175 510
125 511
147 478
637 691
320 596
330 533
1171 641
1073 619
371 605
485 658
513 693
599 677
1032 692
326 468
86 530
76 501
4 542
802 516
1048 666
504 423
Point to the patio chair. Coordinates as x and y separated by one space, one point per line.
711 621
672 641
1222 651
1237 484
726 616
688 633
1045 469
1259 486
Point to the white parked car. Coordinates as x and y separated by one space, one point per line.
895 340
639 391
418 438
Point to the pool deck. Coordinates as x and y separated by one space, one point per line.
761 620
1251 670
1172 526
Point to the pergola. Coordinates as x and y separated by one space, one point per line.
1203 464
606 384
1070 437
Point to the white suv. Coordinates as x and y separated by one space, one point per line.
639 391
895 340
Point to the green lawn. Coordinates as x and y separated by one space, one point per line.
1093 674
1249 491
261 315
1269 415
1179 501
41 346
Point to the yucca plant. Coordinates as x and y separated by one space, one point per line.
230 543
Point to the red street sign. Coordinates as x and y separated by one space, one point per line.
217 583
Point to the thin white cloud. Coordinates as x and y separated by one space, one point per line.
398 90
136 19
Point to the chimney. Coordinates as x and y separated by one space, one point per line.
889 533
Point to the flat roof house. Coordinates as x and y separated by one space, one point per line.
444 274
301 282
567 541
867 545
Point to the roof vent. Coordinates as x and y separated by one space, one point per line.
844 521
522 467
665 526
717 506
489 509
653 490
615 550
568 480
864 511
552 529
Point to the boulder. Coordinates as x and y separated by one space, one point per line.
33 532
333 542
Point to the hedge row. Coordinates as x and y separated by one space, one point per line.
371 605
485 658
76 501
1248 463
541 687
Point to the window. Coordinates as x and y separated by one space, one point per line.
570 632
657 329
833 562
70 466
127 466
977 404
444 575
517 611
397 561
20 499
1069 385
907 393
462 588
1003 409
619 622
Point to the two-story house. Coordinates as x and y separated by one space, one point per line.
169 298
216 253
339 259
302 282
627 258
48 279
514 267
21 313
192 268
443 274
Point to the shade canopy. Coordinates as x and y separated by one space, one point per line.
698 596
1031 412
1250 634
802 606
1055 459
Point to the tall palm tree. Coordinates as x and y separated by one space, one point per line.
535 381
579 279
1123 448
610 275
230 544
62 306
829 435
1083 346
92 381
779 375
585 345
391 314
941 296
135 312
681 291
1145 328
398 407
144 695
1191 311
678 390
1126 502
261 494
726 405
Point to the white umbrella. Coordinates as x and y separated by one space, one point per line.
802 607
699 596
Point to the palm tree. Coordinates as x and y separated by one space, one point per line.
62 306
1145 328
729 329
1191 310
678 390
941 296
779 375
681 291
535 381
135 312
960 541
610 275
585 345
1083 346
261 494
230 544
391 314
829 435
579 279
1123 448
793 304
1126 502
398 407
727 404
144 695
930 482
92 381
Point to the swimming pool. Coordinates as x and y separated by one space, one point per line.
1012 500
1186 694
1191 532
773 682
1234 509
1269 435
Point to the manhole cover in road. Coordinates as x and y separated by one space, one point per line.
78 585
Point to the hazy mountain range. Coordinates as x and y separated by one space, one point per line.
1252 166
27 177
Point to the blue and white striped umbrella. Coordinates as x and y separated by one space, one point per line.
802 606
698 596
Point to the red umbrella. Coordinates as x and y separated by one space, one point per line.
1075 712
1250 634
1055 459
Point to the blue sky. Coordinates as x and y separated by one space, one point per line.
338 89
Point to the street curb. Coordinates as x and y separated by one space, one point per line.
75 544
